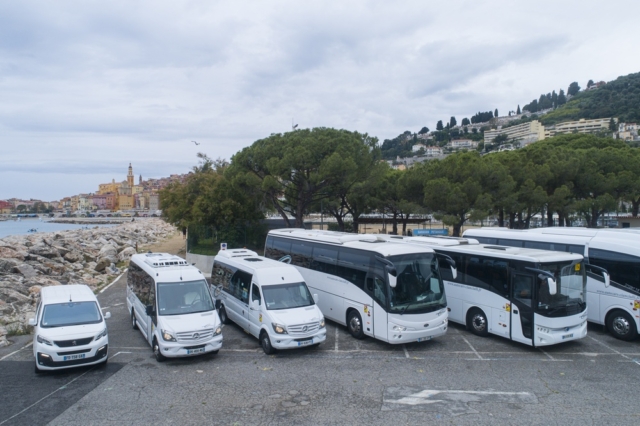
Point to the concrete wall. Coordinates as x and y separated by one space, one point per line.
202 262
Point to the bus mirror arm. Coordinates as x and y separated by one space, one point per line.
391 271
451 262
551 280
605 274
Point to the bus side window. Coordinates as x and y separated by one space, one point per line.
255 294
376 287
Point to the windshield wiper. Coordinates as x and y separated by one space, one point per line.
405 308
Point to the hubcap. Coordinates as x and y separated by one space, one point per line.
478 322
355 324
621 326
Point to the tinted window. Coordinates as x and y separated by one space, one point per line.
71 313
325 259
281 247
255 293
141 284
239 285
353 266
623 268
509 243
301 253
221 275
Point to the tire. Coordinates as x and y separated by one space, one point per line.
156 351
477 322
265 342
354 324
223 316
134 321
621 325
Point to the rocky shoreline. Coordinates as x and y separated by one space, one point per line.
81 256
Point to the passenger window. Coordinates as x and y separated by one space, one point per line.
239 286
377 288
255 294
523 288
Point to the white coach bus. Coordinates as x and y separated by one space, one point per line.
531 296
392 292
612 262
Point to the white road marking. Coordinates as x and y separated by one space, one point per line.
613 350
43 398
424 397
15 352
472 348
122 352
547 354
336 345
114 281
406 352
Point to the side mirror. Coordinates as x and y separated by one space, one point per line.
32 322
393 280
255 305
315 297
107 315
553 287
454 272
149 310
218 304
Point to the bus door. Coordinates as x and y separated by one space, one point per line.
522 325
376 287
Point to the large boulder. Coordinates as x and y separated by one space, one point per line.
102 264
26 270
44 251
9 253
108 250
7 265
74 256
126 254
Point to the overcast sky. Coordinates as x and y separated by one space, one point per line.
87 87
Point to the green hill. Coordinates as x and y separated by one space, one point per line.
618 98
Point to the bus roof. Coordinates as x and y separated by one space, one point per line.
366 242
471 246
165 267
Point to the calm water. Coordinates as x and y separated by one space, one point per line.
14 227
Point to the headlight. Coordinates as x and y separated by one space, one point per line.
322 323
280 329
399 328
43 340
101 335
217 331
168 336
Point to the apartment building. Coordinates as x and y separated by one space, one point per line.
580 126
463 143
525 133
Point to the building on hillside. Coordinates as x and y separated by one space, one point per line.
105 188
433 151
580 126
628 132
417 147
5 207
463 143
525 133
111 201
154 201
99 201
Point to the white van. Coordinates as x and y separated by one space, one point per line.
269 299
171 304
69 329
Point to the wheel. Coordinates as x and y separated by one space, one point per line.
477 322
223 315
156 351
621 325
354 325
134 322
265 342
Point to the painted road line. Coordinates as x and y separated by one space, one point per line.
15 352
114 281
406 352
547 354
336 345
472 348
613 350
122 352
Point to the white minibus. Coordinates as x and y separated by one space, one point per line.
69 329
612 259
392 292
171 304
268 299
531 296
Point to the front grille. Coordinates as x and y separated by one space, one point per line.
83 351
299 330
194 336
72 343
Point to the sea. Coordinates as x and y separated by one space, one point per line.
31 226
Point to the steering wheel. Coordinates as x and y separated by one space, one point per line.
196 300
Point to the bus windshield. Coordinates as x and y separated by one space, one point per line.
570 297
419 288
184 298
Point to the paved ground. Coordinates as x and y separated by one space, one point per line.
456 379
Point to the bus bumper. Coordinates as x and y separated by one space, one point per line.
402 331
545 336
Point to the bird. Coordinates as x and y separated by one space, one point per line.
195 142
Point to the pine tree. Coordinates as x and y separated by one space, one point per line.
518 112
452 122
562 99
439 126
495 114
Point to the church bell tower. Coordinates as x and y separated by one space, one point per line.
130 176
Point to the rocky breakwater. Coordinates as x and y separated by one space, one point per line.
83 256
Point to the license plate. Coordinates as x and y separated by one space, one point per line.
195 351
567 336
72 357
424 339
305 342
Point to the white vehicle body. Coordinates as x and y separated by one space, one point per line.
170 303
497 290
268 299
366 283
614 303
69 329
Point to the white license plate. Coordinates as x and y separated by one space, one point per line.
424 339
567 336
72 357
195 351
305 342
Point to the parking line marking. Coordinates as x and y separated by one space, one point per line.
406 352
547 354
15 352
122 352
613 350
336 346
44 397
472 348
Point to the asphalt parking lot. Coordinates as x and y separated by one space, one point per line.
455 379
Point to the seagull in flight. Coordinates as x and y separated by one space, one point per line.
195 142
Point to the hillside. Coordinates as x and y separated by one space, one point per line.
618 98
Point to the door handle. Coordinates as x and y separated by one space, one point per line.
515 312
